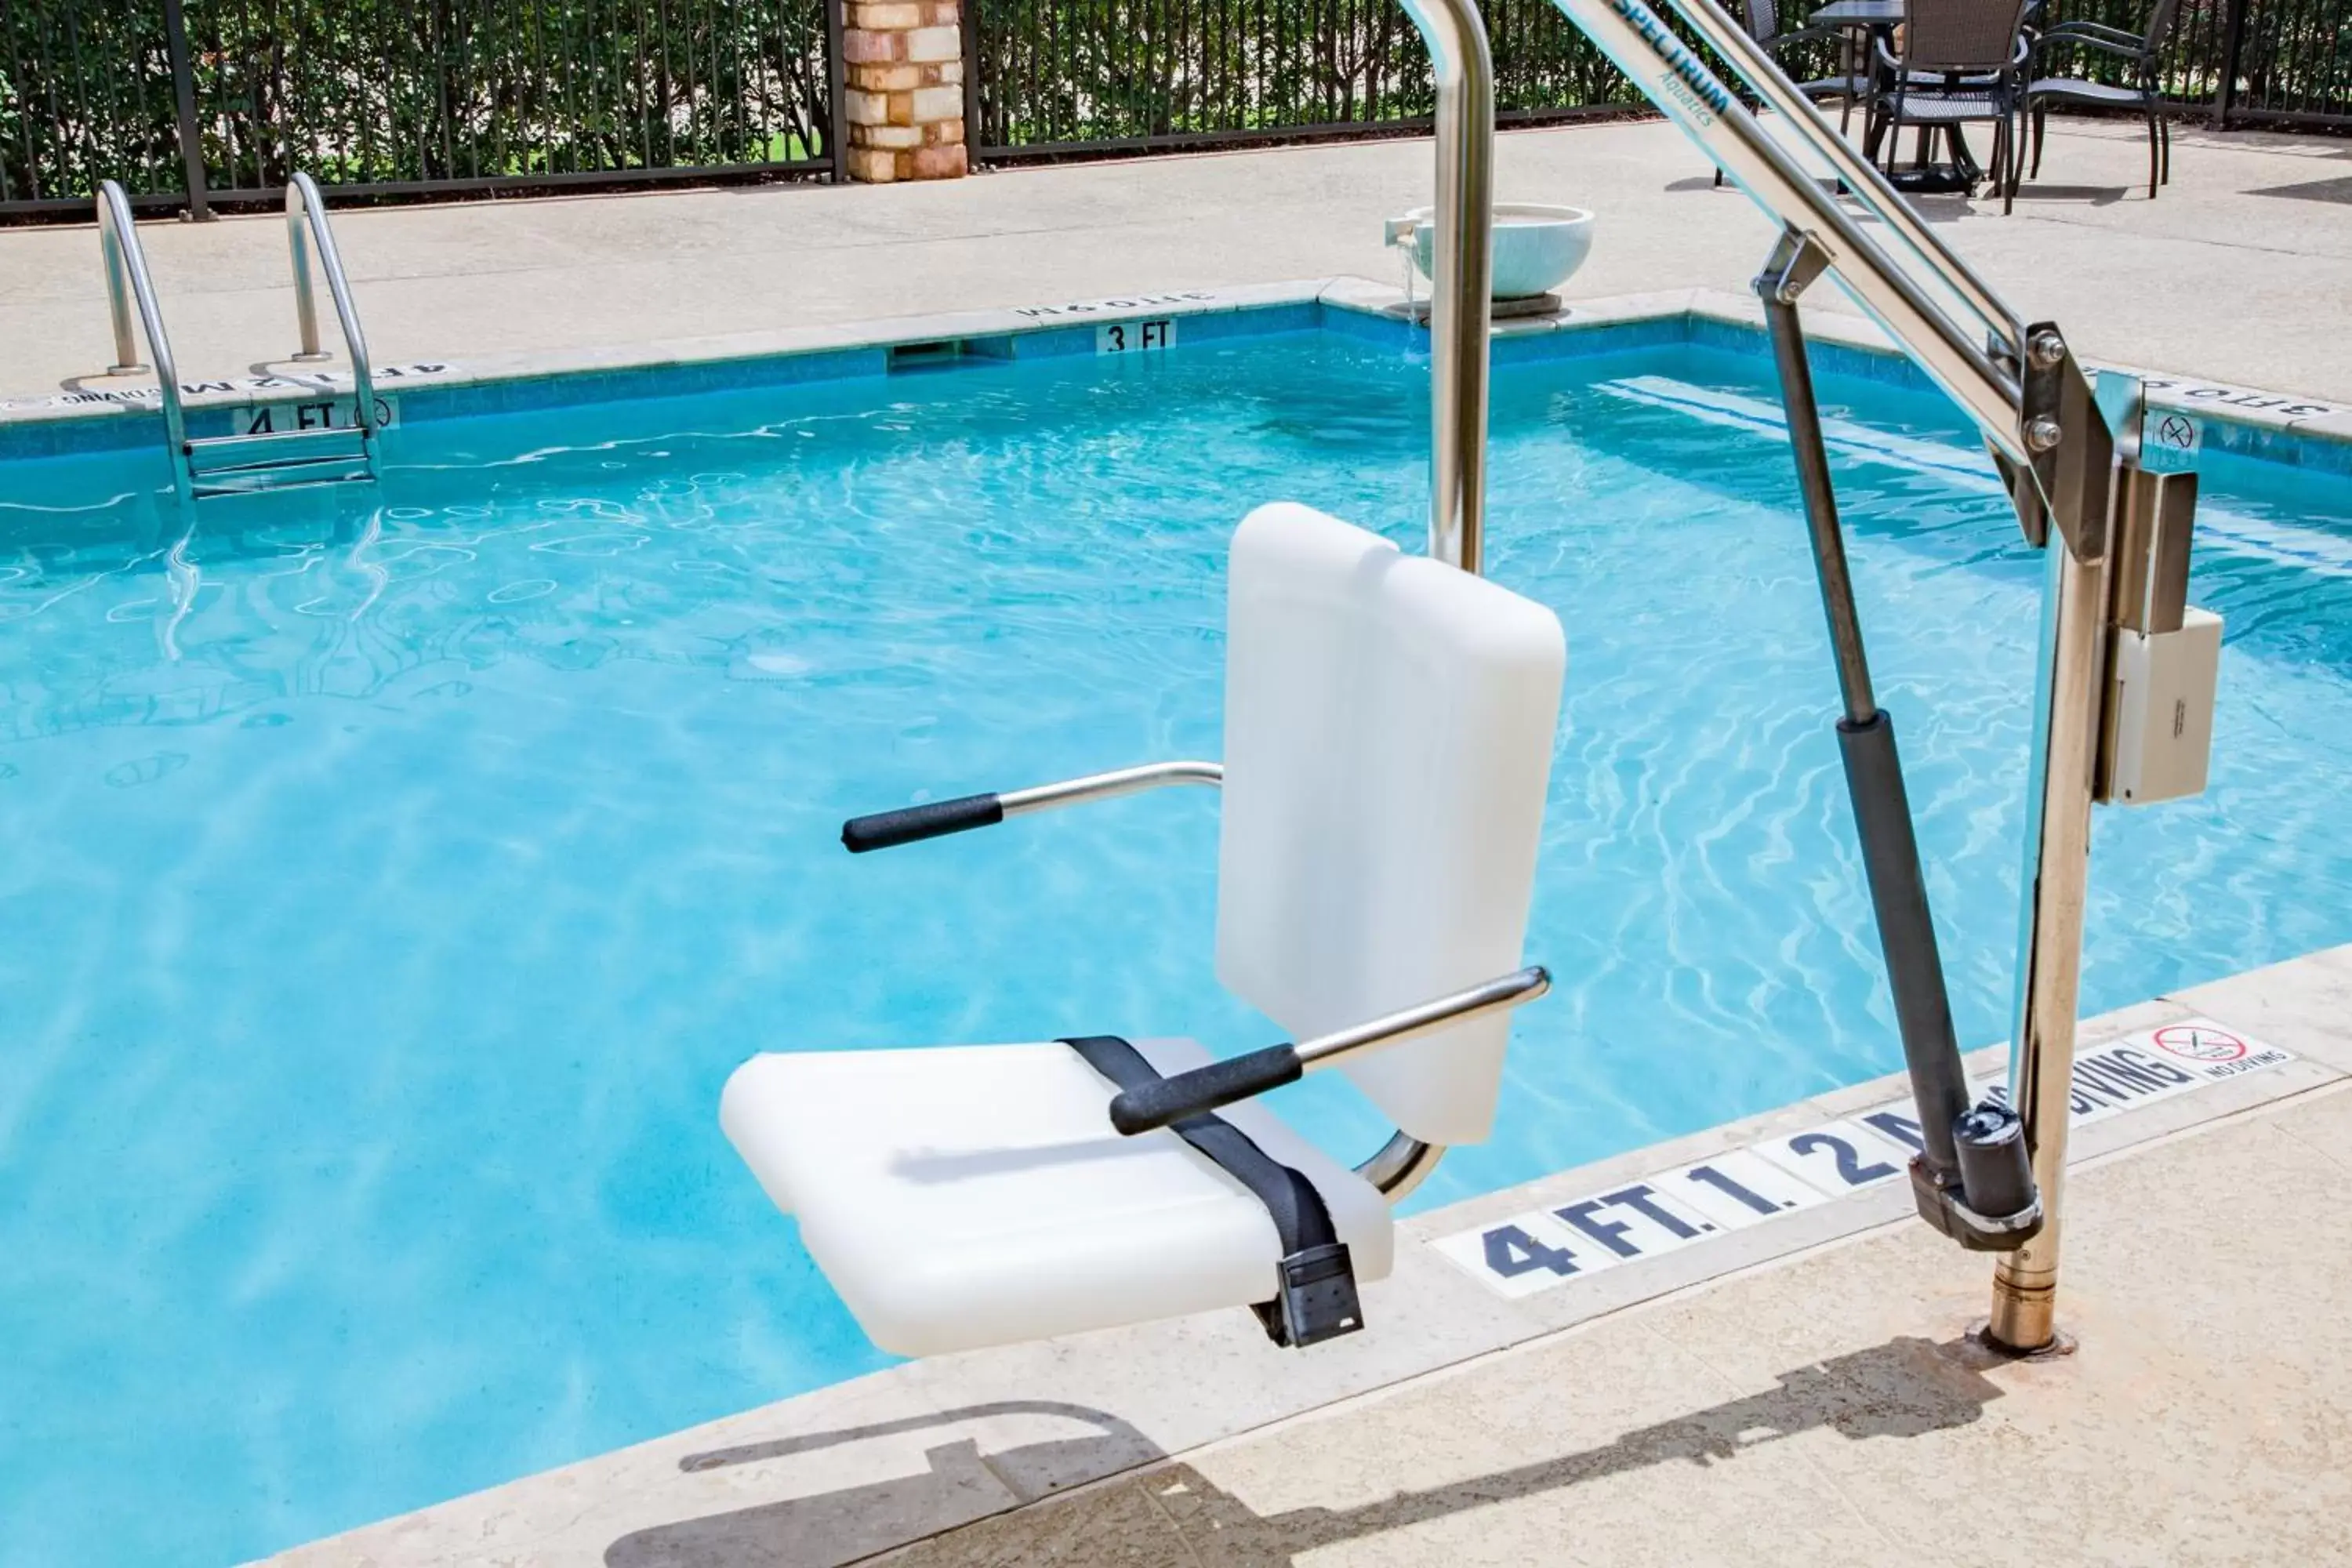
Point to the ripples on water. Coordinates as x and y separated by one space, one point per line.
391 879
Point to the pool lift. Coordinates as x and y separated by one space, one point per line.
2124 699
241 463
1388 732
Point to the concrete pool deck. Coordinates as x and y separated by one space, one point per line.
1804 1389
2227 275
1835 1409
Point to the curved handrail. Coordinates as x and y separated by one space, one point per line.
307 229
126 264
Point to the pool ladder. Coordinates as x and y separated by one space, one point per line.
213 466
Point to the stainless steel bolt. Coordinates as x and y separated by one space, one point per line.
2041 432
2047 351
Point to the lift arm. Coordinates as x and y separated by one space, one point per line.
2036 411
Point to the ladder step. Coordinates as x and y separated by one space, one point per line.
279 477
217 454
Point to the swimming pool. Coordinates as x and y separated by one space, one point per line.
392 877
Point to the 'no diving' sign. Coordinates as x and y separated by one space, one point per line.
2200 1043
2169 441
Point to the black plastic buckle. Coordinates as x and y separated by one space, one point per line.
1318 1300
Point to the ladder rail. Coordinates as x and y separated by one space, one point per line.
1682 86
128 285
307 231
1861 177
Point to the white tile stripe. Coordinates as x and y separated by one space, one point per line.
2284 544
1632 1222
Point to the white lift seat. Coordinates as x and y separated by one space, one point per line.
1389 727
966 1196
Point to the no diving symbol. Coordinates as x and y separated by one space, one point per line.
2177 432
2199 1043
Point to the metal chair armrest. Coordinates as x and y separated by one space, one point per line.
2129 49
1204 1089
934 819
2094 30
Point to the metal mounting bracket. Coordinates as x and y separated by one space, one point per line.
1941 1206
1796 260
2073 452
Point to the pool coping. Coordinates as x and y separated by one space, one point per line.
863 1467
104 415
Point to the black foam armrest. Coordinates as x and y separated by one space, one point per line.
932 819
1203 1090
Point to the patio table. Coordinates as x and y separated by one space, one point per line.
1861 20
1863 16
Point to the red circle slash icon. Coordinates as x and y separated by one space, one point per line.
2200 1043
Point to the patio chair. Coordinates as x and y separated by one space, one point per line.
1851 86
1962 62
2141 51
1388 733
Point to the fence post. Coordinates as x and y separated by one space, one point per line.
837 73
973 139
184 90
2233 44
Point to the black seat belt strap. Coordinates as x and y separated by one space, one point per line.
1315 1296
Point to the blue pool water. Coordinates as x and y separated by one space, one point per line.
391 879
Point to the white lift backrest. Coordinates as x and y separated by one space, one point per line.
1389 729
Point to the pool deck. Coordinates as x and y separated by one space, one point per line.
2238 272
1802 1390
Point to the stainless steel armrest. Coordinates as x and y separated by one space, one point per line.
933 819
1110 786
1204 1089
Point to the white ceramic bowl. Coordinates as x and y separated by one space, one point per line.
1537 248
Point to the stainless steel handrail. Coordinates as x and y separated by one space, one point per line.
1460 315
126 265
306 229
1682 86
1862 178
1460 305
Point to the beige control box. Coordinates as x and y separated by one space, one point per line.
2160 712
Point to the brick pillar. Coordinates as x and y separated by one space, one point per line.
905 89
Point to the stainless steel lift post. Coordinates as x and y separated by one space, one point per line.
1460 309
1988 1178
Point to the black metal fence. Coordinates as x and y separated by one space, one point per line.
1062 77
2283 63
394 97
1065 76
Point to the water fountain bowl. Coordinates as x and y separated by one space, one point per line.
1537 248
